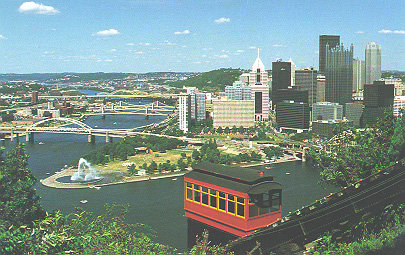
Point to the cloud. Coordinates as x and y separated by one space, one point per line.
108 60
222 20
240 51
2 37
34 8
359 32
385 31
113 50
130 44
108 32
182 33
277 45
144 44
252 47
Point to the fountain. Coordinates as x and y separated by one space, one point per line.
85 173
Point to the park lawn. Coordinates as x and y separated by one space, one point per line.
139 159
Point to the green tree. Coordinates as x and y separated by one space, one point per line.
226 130
132 169
354 155
220 130
19 203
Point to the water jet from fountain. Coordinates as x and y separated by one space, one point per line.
85 173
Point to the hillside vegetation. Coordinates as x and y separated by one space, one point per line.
211 81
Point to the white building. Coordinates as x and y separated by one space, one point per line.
399 103
359 74
373 62
258 73
183 112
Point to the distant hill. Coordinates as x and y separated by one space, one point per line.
61 77
211 81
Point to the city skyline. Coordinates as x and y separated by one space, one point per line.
185 36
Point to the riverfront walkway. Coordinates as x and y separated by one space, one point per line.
53 183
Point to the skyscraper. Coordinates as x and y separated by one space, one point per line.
332 41
258 73
281 72
339 74
378 98
373 62
359 75
306 79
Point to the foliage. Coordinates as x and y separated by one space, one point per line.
83 233
215 80
382 234
273 152
122 149
353 155
18 202
302 136
202 247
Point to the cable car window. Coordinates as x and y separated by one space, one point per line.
231 207
240 210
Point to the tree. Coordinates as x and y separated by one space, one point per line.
195 155
234 129
354 155
219 130
226 130
19 203
132 169
241 130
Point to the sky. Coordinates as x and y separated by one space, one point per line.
139 36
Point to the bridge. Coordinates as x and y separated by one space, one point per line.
154 108
72 126
331 212
110 95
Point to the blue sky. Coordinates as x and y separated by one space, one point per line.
189 35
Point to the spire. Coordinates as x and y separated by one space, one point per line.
258 53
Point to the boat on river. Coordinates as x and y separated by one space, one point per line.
83 201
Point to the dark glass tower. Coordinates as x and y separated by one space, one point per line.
339 75
281 73
332 41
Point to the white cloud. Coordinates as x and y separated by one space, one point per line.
144 44
222 20
182 33
2 37
130 44
359 32
108 32
108 60
252 47
203 56
113 50
240 51
34 8
277 45
385 31
139 52
222 56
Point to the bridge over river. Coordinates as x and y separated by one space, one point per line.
331 212
72 126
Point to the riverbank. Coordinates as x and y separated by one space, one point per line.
283 159
52 182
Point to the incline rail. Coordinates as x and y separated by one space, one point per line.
306 224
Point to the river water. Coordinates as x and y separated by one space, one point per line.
156 203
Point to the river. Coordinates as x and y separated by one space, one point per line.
157 203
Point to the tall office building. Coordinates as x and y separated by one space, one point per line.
238 91
327 111
373 62
192 107
359 75
399 105
332 41
293 68
281 73
260 95
320 88
378 98
183 112
339 74
306 80
258 75
292 115
354 112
